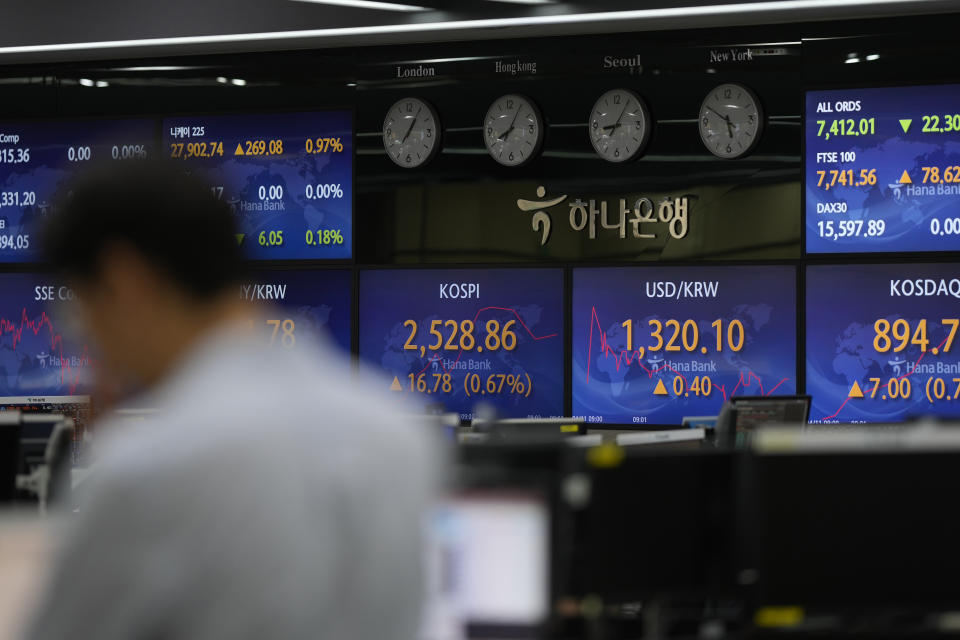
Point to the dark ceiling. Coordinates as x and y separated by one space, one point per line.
57 30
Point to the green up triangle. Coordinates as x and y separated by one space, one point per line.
905 124
240 237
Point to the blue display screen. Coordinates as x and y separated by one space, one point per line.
454 338
316 303
652 345
883 170
37 158
39 354
882 342
288 178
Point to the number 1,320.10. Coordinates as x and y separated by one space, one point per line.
688 335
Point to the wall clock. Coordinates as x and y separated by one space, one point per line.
411 133
619 125
513 130
731 121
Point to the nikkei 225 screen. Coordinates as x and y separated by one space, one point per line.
288 177
452 339
298 303
882 169
882 342
38 158
40 352
652 345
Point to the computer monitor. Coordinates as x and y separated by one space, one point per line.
854 520
36 429
652 344
314 303
658 523
291 200
59 460
462 339
494 561
40 413
9 453
879 339
742 415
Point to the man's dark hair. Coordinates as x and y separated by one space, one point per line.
173 220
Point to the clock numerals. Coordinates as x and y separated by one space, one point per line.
619 126
731 121
411 133
513 130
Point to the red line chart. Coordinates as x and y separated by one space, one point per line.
913 370
624 357
436 357
16 329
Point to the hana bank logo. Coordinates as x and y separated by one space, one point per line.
541 220
584 214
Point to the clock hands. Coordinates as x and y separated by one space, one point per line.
616 124
726 119
504 135
410 128
718 113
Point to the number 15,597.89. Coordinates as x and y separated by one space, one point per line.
851 228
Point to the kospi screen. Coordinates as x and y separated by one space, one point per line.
314 303
39 354
37 158
883 169
881 341
288 177
455 338
652 345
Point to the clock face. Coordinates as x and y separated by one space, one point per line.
731 121
619 125
411 133
513 130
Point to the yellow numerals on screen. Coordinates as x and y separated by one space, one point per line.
674 335
284 330
898 335
894 388
451 335
431 382
260 148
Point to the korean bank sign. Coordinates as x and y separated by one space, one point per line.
642 218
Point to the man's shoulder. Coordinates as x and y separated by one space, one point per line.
317 408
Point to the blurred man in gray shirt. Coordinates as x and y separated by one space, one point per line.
273 495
